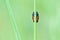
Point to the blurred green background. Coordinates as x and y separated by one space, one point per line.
48 27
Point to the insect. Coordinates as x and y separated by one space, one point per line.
37 17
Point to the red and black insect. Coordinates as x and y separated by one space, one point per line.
37 17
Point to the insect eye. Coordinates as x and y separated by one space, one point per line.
37 14
33 14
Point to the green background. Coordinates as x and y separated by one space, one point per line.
48 27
